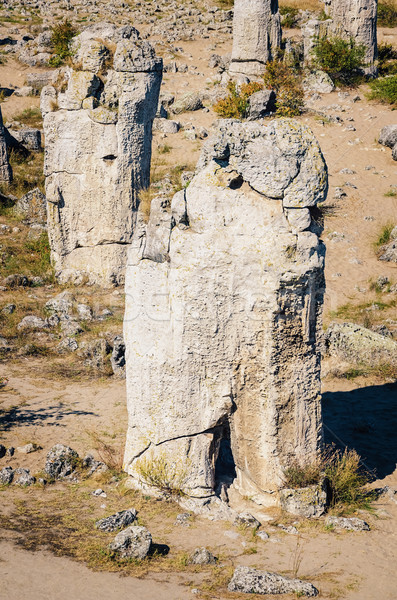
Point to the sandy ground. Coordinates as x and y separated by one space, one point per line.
360 413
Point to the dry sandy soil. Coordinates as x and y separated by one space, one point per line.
361 413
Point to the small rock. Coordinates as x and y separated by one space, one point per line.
117 521
23 477
10 451
133 542
288 529
94 466
251 581
183 519
8 309
202 556
247 520
351 524
3 450
262 535
28 448
61 461
6 476
100 492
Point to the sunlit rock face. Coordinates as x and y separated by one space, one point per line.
224 292
98 133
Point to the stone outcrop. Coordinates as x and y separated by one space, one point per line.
223 302
251 581
5 168
98 131
356 19
256 36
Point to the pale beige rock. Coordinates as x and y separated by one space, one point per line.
256 36
97 154
223 306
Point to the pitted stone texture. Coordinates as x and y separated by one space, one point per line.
117 521
223 305
357 344
61 461
133 542
256 36
5 168
252 581
308 502
98 150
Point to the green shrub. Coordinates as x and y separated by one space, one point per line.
235 105
384 90
286 82
289 16
341 59
387 59
62 34
387 13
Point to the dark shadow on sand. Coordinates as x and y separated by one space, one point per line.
366 420
50 416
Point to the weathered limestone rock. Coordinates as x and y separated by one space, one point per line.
355 19
98 133
223 305
5 168
309 502
251 581
256 36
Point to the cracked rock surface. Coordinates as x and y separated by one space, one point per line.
223 304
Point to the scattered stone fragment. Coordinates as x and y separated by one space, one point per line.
288 529
61 461
202 556
94 466
308 502
183 519
100 493
247 520
251 581
262 535
6 475
355 343
189 102
117 521
23 477
351 524
133 542
3 450
28 448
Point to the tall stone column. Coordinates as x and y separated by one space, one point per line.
224 292
256 36
5 168
356 19
98 133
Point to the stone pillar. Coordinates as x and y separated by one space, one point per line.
224 292
5 168
256 36
356 19
98 132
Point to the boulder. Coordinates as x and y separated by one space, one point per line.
5 168
223 315
318 82
256 36
251 581
98 151
32 207
351 523
23 477
388 136
133 542
189 102
202 556
61 461
6 476
309 502
119 520
354 343
30 138
261 104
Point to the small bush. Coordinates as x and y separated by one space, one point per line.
158 471
387 59
341 59
344 472
384 90
387 14
384 236
286 82
62 34
235 106
289 16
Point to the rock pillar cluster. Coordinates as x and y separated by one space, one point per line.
5 168
224 292
256 36
98 131
356 19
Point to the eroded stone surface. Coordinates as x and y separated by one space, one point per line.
252 581
256 35
98 148
5 168
223 305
